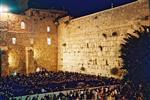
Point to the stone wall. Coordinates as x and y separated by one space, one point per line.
16 59
33 37
93 42
89 44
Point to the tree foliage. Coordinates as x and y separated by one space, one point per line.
135 53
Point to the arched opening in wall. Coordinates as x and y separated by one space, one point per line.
135 53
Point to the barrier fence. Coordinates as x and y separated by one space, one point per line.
51 94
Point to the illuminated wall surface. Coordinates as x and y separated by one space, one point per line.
91 42
26 37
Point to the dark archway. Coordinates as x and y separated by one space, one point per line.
4 69
0 62
135 53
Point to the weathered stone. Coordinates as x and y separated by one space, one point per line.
100 36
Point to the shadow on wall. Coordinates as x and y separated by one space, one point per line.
135 53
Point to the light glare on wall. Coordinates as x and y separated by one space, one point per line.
48 29
12 60
38 69
49 41
3 9
14 40
147 30
31 41
15 73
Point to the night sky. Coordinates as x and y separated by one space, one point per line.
74 8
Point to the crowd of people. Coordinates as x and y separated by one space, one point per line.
47 82
112 92
44 81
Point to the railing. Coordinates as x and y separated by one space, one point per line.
51 94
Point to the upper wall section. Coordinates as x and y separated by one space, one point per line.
138 10
34 27
46 13
32 18
33 35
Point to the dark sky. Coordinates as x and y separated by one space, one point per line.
75 8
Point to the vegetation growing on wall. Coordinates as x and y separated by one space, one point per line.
82 69
114 71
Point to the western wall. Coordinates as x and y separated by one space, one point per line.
88 44
91 44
